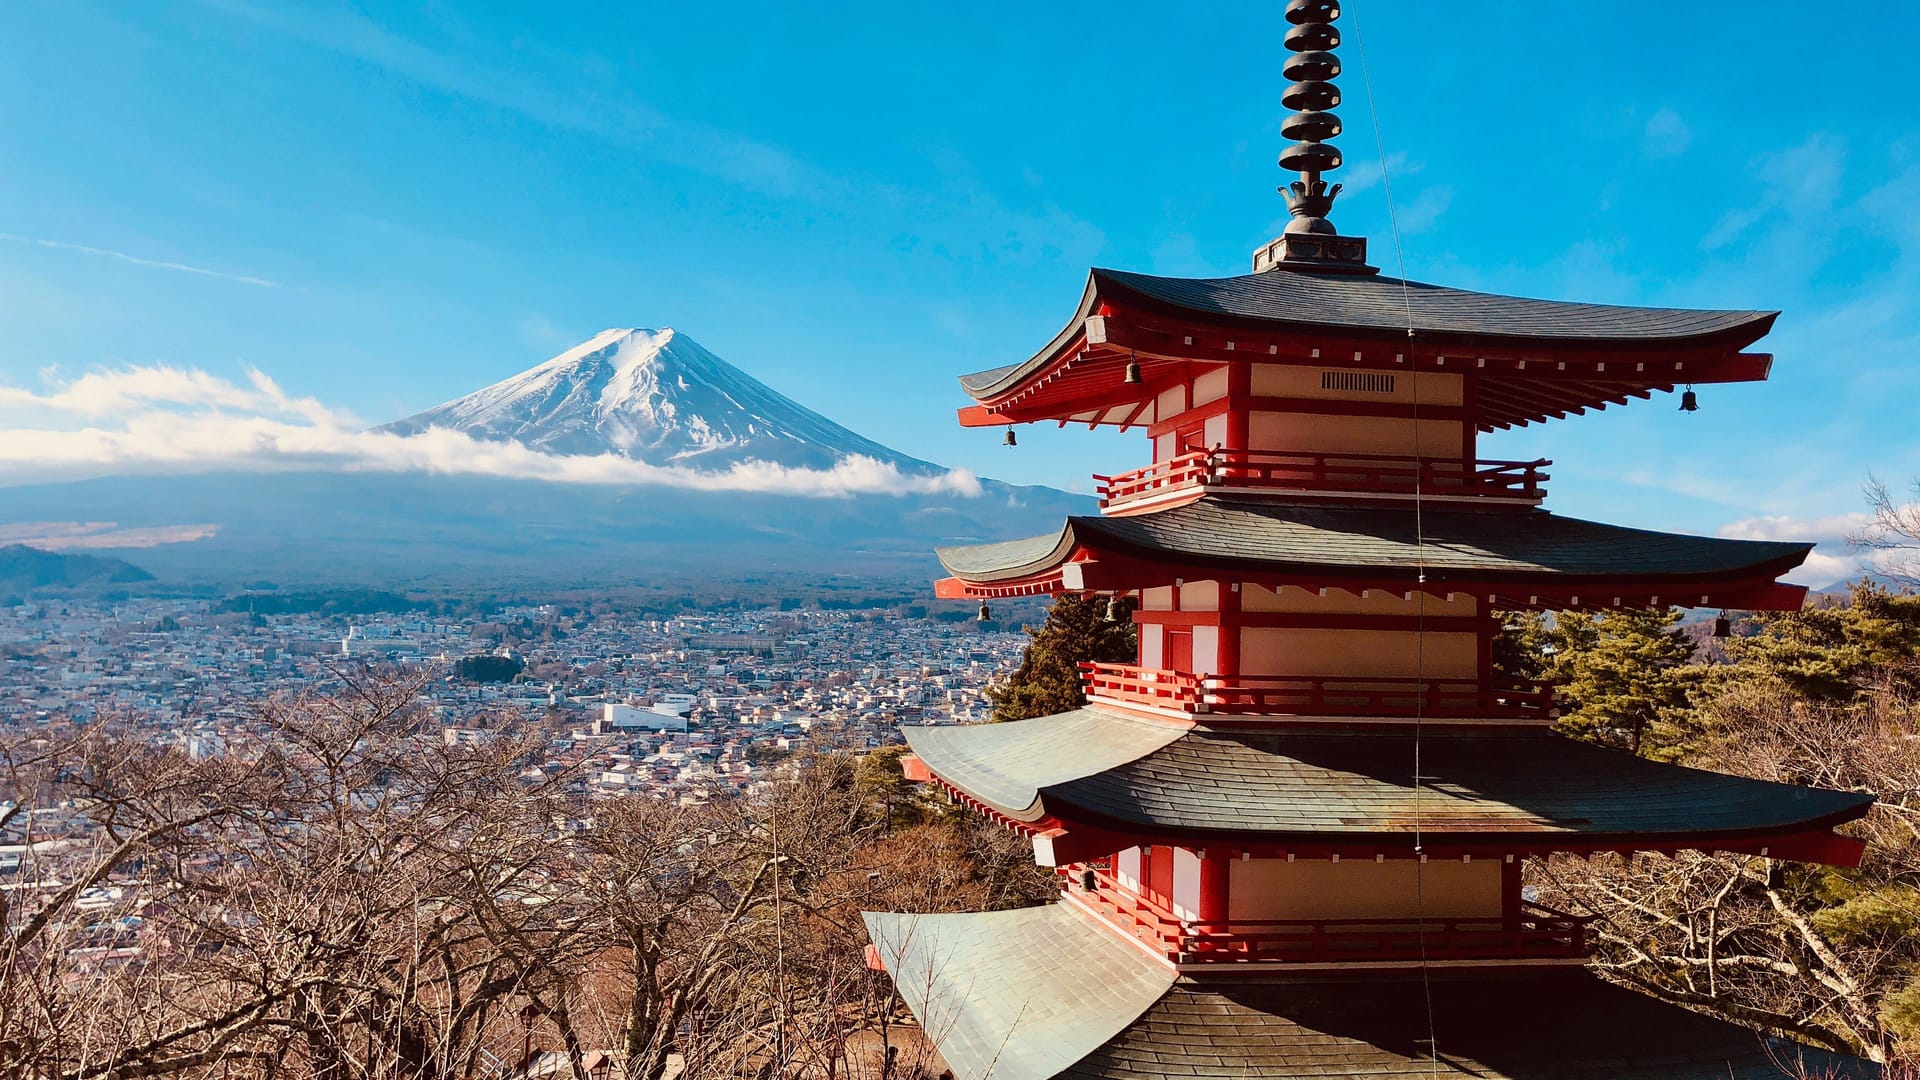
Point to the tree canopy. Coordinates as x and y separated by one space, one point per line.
1048 679
1827 696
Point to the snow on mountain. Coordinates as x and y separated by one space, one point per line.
655 396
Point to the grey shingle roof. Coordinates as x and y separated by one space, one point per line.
1044 992
1009 769
1017 995
1379 305
1355 785
1509 545
1361 783
1564 1025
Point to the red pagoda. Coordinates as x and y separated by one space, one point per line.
1291 836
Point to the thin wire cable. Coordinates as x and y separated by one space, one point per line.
1419 555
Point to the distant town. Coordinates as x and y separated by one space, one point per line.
687 706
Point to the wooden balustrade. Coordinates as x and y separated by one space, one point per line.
1367 474
1142 686
1537 932
1310 695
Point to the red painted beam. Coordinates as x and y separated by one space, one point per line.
973 416
1303 620
1072 840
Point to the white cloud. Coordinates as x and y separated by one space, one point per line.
165 419
104 393
1797 184
1833 528
1425 210
1361 175
154 264
1667 134
1834 558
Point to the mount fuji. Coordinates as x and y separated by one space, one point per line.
655 396
630 403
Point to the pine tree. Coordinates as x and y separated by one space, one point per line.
1833 651
1048 680
1621 678
1521 651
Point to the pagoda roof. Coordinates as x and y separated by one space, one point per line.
1345 542
1371 306
1018 995
1563 1025
1042 992
1505 789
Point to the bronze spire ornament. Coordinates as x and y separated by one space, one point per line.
1310 240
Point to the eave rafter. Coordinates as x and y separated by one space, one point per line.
1515 382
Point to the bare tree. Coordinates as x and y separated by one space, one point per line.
355 899
1893 530
321 908
1809 952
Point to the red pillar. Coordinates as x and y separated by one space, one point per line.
1239 393
1216 871
1228 661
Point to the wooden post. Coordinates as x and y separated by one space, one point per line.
1511 906
1227 660
1239 391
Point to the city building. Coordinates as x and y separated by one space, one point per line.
1291 836
670 714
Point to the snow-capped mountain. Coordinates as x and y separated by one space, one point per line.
652 396
655 396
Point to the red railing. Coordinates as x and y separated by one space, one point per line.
1535 933
1369 474
1310 695
1141 686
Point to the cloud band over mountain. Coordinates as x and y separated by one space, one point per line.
161 419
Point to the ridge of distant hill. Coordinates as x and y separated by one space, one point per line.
23 567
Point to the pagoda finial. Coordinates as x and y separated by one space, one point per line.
1310 240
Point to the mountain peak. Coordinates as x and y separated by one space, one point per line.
655 396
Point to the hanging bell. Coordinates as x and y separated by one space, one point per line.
1114 608
1722 625
985 615
1689 401
1010 440
1132 377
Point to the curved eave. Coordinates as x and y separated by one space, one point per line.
993 383
1004 767
1490 323
1048 993
1093 782
1572 563
992 989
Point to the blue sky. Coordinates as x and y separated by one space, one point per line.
382 206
